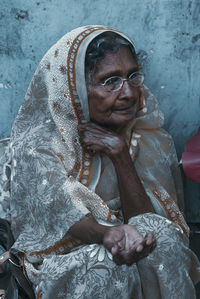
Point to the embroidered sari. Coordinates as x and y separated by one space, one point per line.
55 183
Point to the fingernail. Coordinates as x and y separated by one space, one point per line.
139 248
148 242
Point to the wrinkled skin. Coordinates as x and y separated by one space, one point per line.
109 113
95 138
113 109
127 245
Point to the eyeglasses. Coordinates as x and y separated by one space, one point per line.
115 83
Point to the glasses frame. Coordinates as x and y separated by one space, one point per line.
123 80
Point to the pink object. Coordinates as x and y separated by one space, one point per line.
191 158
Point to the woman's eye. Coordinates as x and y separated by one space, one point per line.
133 76
112 81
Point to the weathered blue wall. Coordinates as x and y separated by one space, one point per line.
167 32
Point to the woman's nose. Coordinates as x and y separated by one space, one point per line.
126 90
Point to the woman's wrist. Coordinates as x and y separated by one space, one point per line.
88 230
119 151
121 155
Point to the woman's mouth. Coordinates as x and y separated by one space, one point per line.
122 108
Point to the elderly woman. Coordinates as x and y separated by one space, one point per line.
94 180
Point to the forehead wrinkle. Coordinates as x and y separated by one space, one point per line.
115 64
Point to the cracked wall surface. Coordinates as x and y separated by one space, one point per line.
166 33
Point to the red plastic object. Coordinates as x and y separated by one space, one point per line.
191 158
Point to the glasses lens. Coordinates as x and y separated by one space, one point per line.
136 79
113 83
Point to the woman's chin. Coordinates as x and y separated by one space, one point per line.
122 120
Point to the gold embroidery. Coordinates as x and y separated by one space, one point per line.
70 116
71 242
39 294
109 215
63 69
56 53
172 212
60 156
90 172
163 205
71 61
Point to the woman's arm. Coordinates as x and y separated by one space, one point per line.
124 241
88 230
133 197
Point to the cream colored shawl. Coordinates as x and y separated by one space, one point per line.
53 180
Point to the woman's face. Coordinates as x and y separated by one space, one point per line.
114 109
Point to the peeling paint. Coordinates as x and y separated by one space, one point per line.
142 55
195 38
19 13
6 86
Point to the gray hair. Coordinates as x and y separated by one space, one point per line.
100 45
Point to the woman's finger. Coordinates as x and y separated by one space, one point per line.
114 250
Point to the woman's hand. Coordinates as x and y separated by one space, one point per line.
127 245
95 138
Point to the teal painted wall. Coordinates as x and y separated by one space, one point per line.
166 32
